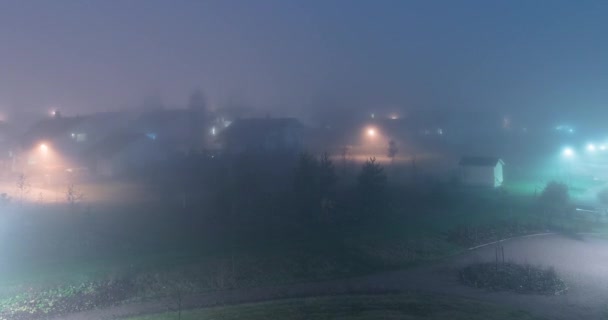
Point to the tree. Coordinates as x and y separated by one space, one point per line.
197 102
73 195
344 151
602 196
555 194
554 198
327 183
392 150
23 186
197 105
327 175
306 184
371 186
314 183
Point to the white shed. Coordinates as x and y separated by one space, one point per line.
481 171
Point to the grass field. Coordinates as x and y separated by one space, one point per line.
51 251
363 307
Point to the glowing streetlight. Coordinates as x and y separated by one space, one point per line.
568 153
591 147
44 148
371 132
603 147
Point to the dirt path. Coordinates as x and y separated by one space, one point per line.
583 263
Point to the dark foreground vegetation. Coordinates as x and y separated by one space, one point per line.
252 220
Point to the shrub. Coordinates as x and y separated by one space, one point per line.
602 196
555 194
513 277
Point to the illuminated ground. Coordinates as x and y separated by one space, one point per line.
94 192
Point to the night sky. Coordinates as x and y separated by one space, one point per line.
289 56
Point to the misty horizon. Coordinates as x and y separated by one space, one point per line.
292 58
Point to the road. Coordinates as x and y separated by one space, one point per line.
582 263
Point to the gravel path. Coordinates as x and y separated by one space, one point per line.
583 263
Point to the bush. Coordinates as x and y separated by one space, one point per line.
554 200
513 277
602 196
555 194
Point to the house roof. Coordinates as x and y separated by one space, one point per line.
49 129
248 129
260 126
115 143
480 161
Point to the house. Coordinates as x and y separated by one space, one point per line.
95 127
481 171
60 150
177 130
125 153
262 135
67 139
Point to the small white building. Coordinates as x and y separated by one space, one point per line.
481 171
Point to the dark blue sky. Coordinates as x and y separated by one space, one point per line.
290 55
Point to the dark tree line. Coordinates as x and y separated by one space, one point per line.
252 190
318 199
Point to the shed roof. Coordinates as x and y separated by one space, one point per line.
480 161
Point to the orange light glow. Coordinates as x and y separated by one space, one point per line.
44 148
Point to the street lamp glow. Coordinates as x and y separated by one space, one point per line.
44 148
591 147
568 153
371 132
603 147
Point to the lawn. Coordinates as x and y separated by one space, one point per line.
358 307
146 252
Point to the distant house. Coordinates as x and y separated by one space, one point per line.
95 127
262 135
177 130
124 153
481 171
68 138
55 133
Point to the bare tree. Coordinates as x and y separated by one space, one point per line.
344 151
23 186
392 150
179 289
73 195
178 296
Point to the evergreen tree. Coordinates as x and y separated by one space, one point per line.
372 183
